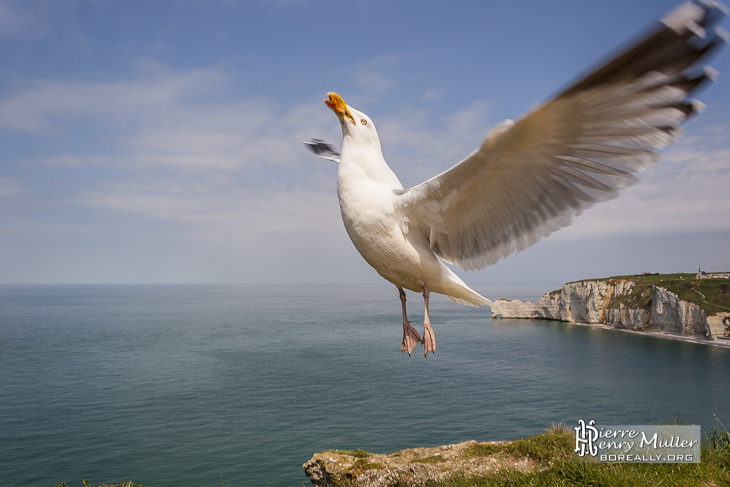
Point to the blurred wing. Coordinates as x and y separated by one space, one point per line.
530 177
323 149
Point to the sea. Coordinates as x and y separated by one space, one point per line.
239 385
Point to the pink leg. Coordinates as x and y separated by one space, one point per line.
411 338
429 339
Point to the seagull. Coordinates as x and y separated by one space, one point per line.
529 177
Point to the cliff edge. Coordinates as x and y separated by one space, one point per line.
672 304
415 466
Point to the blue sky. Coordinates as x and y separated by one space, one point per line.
160 142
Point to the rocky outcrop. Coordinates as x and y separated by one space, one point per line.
580 302
625 317
719 324
672 315
617 303
414 466
548 308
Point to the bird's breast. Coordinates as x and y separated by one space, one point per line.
376 230
368 211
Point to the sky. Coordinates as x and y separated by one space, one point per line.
160 142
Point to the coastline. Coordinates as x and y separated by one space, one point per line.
721 342
549 458
677 306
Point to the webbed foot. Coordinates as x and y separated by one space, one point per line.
411 338
429 339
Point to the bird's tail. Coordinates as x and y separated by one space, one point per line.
460 293
473 299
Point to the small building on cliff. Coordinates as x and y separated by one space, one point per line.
711 275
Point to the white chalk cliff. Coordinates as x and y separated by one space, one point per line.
615 302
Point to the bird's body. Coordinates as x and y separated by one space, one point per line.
529 177
368 191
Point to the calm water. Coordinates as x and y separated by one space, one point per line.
240 385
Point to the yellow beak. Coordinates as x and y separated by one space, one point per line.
338 105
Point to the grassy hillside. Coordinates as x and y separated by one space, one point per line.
560 466
711 294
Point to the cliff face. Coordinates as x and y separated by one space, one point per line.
618 303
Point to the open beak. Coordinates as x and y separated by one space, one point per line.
338 105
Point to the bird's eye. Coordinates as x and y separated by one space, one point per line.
363 121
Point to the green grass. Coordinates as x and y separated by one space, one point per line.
483 450
560 466
640 295
556 443
353 453
715 291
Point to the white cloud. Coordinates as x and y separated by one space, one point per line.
285 208
48 104
433 94
66 160
12 187
13 19
420 144
167 119
35 19
278 230
376 75
247 134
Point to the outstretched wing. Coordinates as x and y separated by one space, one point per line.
323 149
530 177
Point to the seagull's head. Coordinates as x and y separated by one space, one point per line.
354 123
